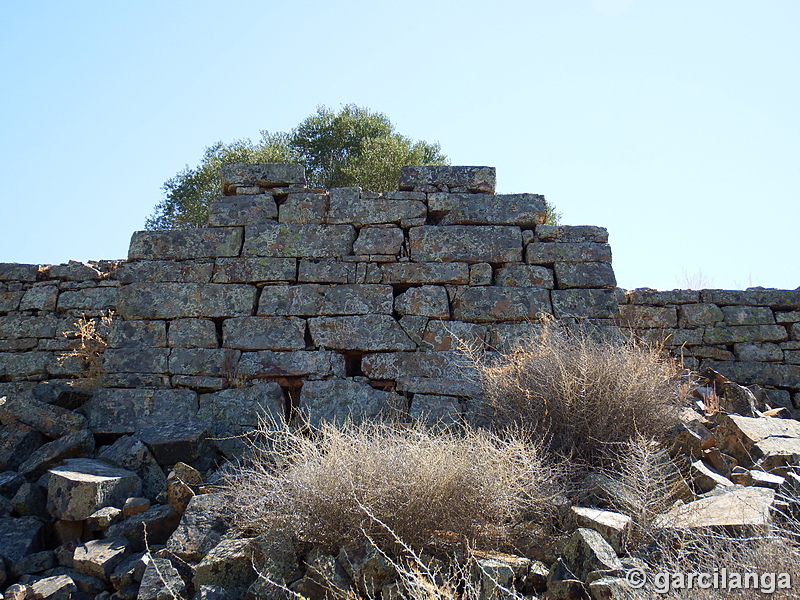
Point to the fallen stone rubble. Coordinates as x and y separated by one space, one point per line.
85 515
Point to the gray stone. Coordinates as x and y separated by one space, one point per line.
365 333
139 359
124 411
53 421
267 363
748 315
9 301
73 271
704 478
44 297
135 334
73 445
229 564
587 551
275 559
455 386
326 270
174 300
185 244
165 271
452 335
80 486
758 351
421 273
548 253
254 270
697 315
328 300
740 508
19 537
203 361
102 519
244 407
427 300
159 522
161 581
241 210
264 333
584 275
34 563
754 372
175 441
337 400
304 207
571 233
475 179
497 575
466 243
99 558
30 501
526 210
25 326
530 276
367 567
613 526
480 274
490 304
205 522
348 206
435 409
17 442
781 299
618 588
132 454
648 316
584 303
26 364
18 272
57 587
298 240
264 175
394 365
192 333
379 240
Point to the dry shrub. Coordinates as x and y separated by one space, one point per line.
344 483
580 391
87 344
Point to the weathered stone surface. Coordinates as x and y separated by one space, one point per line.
275 558
73 271
325 577
337 400
496 573
18 272
660 298
19 537
326 270
448 386
254 270
298 240
175 441
53 421
587 551
267 363
327 300
743 508
165 271
57 587
584 303
739 435
10 300
783 299
480 274
548 253
367 567
474 179
80 486
219 362
241 210
44 297
758 351
229 564
17 442
99 558
174 300
30 501
127 410
427 300
748 315
393 365
648 316
102 519
525 210
10 482
264 175
530 276
420 273
183 484
26 364
135 334
571 233
161 581
366 333
244 407
73 445
613 526
452 335
379 240
435 409
304 207
697 315
745 333
185 244
192 333
490 304
264 333
159 522
584 275
768 374
25 326
467 243
205 522
139 359
34 563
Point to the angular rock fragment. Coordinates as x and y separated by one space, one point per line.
99 558
52 421
587 551
178 441
229 564
161 581
73 445
80 486
744 509
132 454
159 522
206 520
613 526
335 401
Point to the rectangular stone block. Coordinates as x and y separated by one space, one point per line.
267 363
571 233
393 365
264 333
439 385
427 300
304 207
760 351
466 243
379 240
507 336
44 297
490 304
141 359
347 206
475 179
73 271
326 300
81 486
745 333
134 334
697 315
18 272
525 210
165 271
88 300
184 244
648 316
326 270
363 333
174 300
254 270
792 316
548 253
671 337
125 411
532 276
241 210
192 333
761 373
299 240
748 315
264 175
9 301
25 364
585 303
27 326
783 299
584 275
336 401
420 273
453 335
660 298
214 362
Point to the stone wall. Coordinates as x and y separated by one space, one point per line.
296 301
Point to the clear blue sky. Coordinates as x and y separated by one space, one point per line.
673 124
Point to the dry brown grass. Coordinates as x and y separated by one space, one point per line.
581 391
87 344
337 485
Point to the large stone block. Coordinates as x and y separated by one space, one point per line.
81 486
267 363
17 442
73 271
648 316
584 275
254 270
783 299
9 301
174 300
660 298
452 335
126 410
53 421
466 243
203 525
745 333
548 253
740 508
25 363
19 537
99 558
165 271
531 276
396 365
525 210
347 206
326 300
134 334
183 244
379 240
337 400
136 359
241 210
299 240
27 326
305 207
171 442
192 333
585 303
264 333
436 410
132 454
761 373
489 304
421 273
215 362
264 174
699 314
88 300
326 270
427 300
748 315
18 272
245 406
474 179
571 233
43 297
364 333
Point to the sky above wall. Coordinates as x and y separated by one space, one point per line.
673 124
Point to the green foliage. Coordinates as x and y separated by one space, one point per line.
354 146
